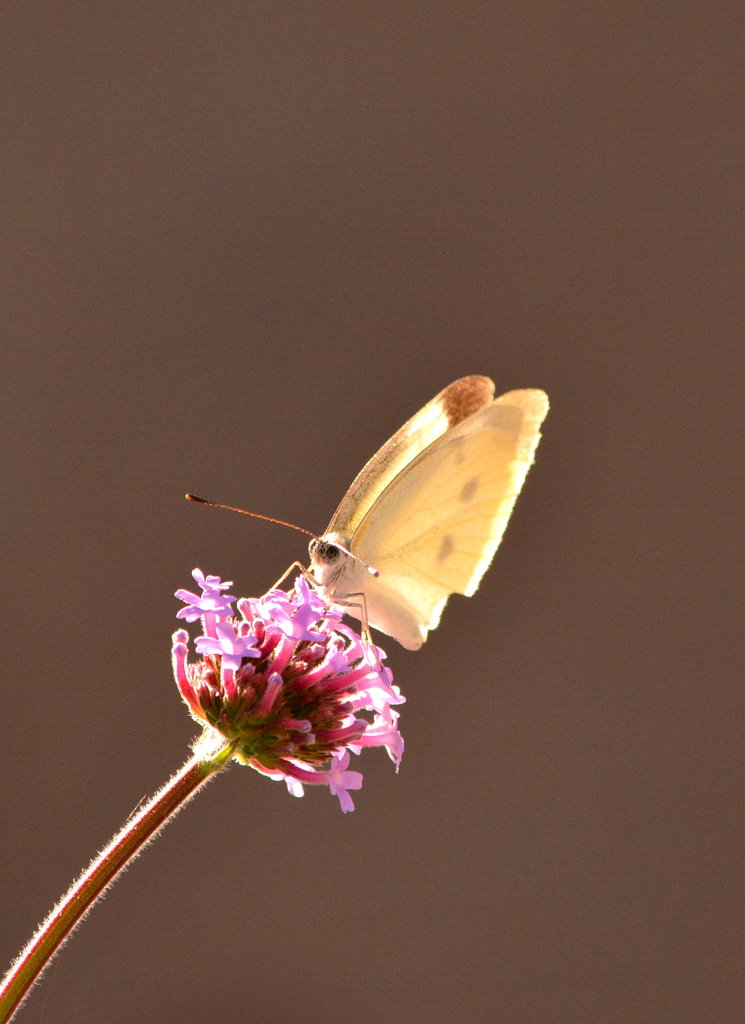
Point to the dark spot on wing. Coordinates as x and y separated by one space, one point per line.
469 489
465 397
446 548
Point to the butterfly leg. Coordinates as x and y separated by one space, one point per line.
295 565
307 575
341 602
344 602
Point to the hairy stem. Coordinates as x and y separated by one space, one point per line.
101 873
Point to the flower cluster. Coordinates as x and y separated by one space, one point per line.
285 681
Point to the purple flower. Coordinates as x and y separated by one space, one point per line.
293 618
232 647
340 781
287 684
212 604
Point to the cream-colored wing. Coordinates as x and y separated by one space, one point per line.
454 403
436 527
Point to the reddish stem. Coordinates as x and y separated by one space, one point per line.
101 873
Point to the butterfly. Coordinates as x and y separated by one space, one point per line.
424 517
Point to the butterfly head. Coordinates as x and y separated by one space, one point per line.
325 551
331 559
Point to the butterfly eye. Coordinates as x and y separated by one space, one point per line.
322 551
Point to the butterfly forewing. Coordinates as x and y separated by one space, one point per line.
435 528
454 404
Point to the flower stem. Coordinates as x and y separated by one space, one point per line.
85 891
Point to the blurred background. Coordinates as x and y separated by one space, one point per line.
241 244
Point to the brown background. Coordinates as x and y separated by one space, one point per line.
241 244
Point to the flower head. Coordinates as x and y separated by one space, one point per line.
285 682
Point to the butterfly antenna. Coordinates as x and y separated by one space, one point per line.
370 569
280 522
245 512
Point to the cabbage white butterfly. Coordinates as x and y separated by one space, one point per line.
423 518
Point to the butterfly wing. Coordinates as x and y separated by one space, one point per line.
435 528
454 404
